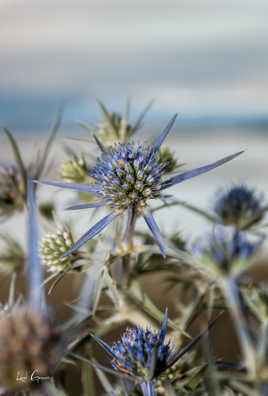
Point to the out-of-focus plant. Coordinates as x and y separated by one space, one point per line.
12 256
115 127
13 178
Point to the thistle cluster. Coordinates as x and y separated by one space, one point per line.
125 177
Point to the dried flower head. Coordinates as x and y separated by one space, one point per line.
28 343
52 247
127 176
239 206
11 191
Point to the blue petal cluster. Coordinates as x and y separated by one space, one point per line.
126 177
137 348
240 206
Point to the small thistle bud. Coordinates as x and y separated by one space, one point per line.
239 206
75 170
52 248
11 191
168 158
28 343
121 130
12 257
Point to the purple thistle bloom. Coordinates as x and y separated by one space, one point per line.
239 206
126 177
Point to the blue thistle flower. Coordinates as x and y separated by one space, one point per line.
239 206
225 248
127 175
143 354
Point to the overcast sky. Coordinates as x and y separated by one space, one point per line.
192 56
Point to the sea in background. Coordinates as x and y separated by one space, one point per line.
206 60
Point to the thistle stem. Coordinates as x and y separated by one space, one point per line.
128 237
128 241
231 293
148 388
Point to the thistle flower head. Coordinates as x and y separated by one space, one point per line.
144 353
52 247
28 343
11 191
239 206
226 248
127 175
136 350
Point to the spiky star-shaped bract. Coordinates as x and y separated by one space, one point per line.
126 176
